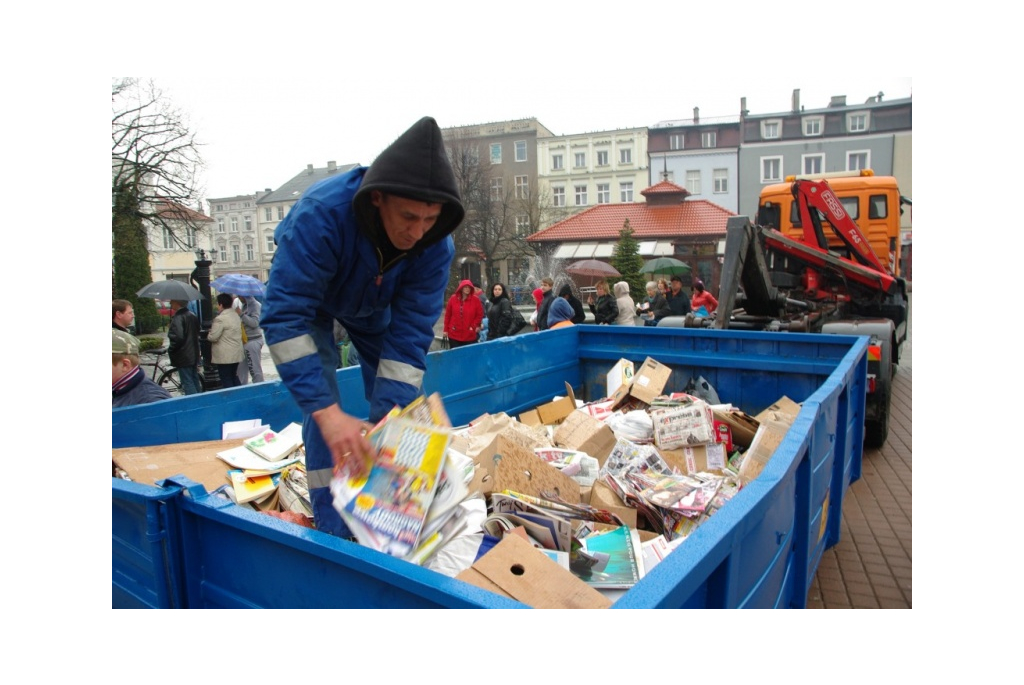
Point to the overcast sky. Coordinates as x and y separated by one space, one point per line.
261 135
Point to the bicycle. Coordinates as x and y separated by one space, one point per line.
165 375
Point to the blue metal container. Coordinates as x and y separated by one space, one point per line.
177 546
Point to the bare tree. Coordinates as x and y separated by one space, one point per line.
155 160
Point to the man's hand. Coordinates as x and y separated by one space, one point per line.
346 437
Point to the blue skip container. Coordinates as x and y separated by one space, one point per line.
174 545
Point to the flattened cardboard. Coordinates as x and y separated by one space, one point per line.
766 441
520 470
480 444
525 574
603 497
780 410
196 460
582 432
690 459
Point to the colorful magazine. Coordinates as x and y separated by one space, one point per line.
619 555
387 509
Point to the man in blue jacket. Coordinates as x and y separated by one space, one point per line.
371 248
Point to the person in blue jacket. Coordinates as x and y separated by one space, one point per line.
371 248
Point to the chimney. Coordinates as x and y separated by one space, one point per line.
309 169
696 115
743 107
838 101
332 167
796 99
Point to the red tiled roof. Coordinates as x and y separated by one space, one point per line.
665 187
169 209
603 222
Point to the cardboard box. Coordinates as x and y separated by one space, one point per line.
782 409
711 458
621 374
551 413
582 432
687 424
648 382
766 441
603 497
741 425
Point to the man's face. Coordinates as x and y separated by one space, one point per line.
125 318
405 221
120 368
676 286
545 287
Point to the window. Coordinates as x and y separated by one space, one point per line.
602 158
223 254
234 253
269 238
496 189
676 141
581 159
812 126
771 169
813 164
556 162
248 222
604 194
190 236
220 224
267 214
771 128
581 195
721 180
495 153
280 212
249 256
857 160
626 191
234 224
522 224
851 206
558 196
626 155
857 122
693 182
220 208
520 150
168 239
878 207
709 139
522 187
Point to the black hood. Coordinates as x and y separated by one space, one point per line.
415 166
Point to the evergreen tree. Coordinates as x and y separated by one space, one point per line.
131 259
628 262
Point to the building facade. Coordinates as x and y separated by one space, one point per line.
174 256
234 242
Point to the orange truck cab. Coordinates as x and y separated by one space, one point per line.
873 202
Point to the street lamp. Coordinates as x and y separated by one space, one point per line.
201 278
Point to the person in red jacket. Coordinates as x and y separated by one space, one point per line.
702 298
462 316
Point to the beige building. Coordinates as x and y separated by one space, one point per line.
586 169
235 245
171 258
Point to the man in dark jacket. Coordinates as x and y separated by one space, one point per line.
372 248
678 301
579 315
129 383
183 346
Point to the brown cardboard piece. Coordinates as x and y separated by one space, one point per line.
582 432
766 441
783 409
692 459
551 413
515 569
520 470
195 460
480 444
603 497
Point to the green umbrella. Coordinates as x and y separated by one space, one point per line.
665 265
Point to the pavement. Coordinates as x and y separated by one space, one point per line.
871 566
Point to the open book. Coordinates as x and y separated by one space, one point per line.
248 487
274 446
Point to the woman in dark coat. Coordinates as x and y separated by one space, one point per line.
499 315
606 311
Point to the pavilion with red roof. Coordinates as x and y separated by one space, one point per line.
666 224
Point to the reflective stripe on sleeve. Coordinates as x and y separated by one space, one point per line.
319 478
398 371
290 350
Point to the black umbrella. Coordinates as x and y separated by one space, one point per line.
169 290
